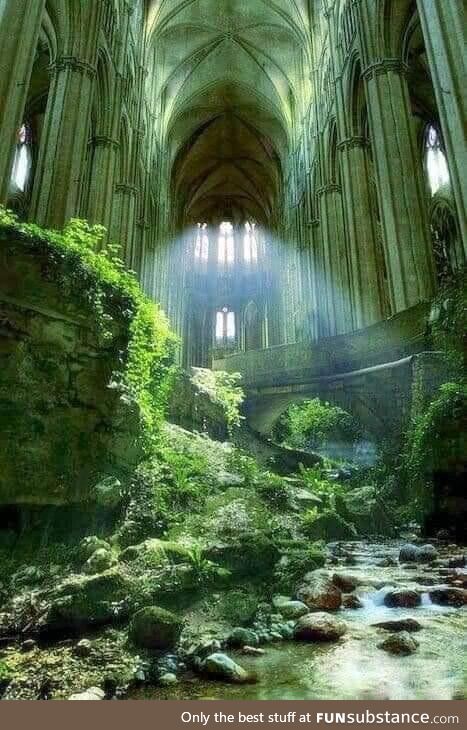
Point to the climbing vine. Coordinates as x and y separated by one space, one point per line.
95 267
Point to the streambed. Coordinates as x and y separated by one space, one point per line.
355 667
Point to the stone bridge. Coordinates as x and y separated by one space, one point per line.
370 373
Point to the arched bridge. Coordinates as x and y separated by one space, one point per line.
370 373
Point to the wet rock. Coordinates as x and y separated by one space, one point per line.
400 644
221 666
100 561
290 609
155 628
319 593
83 648
351 601
387 562
406 624
241 637
411 553
449 596
347 583
93 693
402 598
319 627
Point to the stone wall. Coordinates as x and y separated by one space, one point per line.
63 428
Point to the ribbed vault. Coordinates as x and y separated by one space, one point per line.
226 85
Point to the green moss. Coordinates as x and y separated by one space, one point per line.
224 390
111 290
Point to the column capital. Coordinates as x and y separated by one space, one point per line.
384 66
72 63
351 143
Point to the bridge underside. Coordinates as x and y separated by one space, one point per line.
370 373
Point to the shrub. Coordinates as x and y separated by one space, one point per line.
312 423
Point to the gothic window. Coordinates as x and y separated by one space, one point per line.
23 159
226 244
202 243
435 160
225 326
250 244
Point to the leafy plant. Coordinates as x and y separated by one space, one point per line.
224 390
312 423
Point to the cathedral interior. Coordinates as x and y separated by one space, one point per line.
287 181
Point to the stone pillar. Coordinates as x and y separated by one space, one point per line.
61 165
401 190
20 23
336 280
102 181
444 30
363 262
124 220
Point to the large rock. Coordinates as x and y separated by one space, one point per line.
319 627
401 644
155 628
93 693
445 596
240 637
87 602
402 598
222 667
290 609
405 624
319 593
410 553
89 545
347 583
108 493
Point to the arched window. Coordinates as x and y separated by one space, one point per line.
435 160
23 159
250 244
202 243
225 326
226 244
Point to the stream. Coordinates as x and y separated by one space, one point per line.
355 667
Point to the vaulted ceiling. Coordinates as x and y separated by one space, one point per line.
227 74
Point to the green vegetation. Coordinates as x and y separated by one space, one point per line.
93 267
224 390
313 423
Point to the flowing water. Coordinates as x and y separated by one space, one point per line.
355 667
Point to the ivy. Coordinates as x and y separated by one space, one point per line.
224 390
114 294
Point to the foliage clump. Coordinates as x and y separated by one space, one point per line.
224 390
94 269
314 423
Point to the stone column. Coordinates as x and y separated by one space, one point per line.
102 181
20 23
444 29
367 307
124 220
335 259
61 165
401 190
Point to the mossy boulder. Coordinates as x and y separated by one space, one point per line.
330 526
156 552
155 628
87 602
